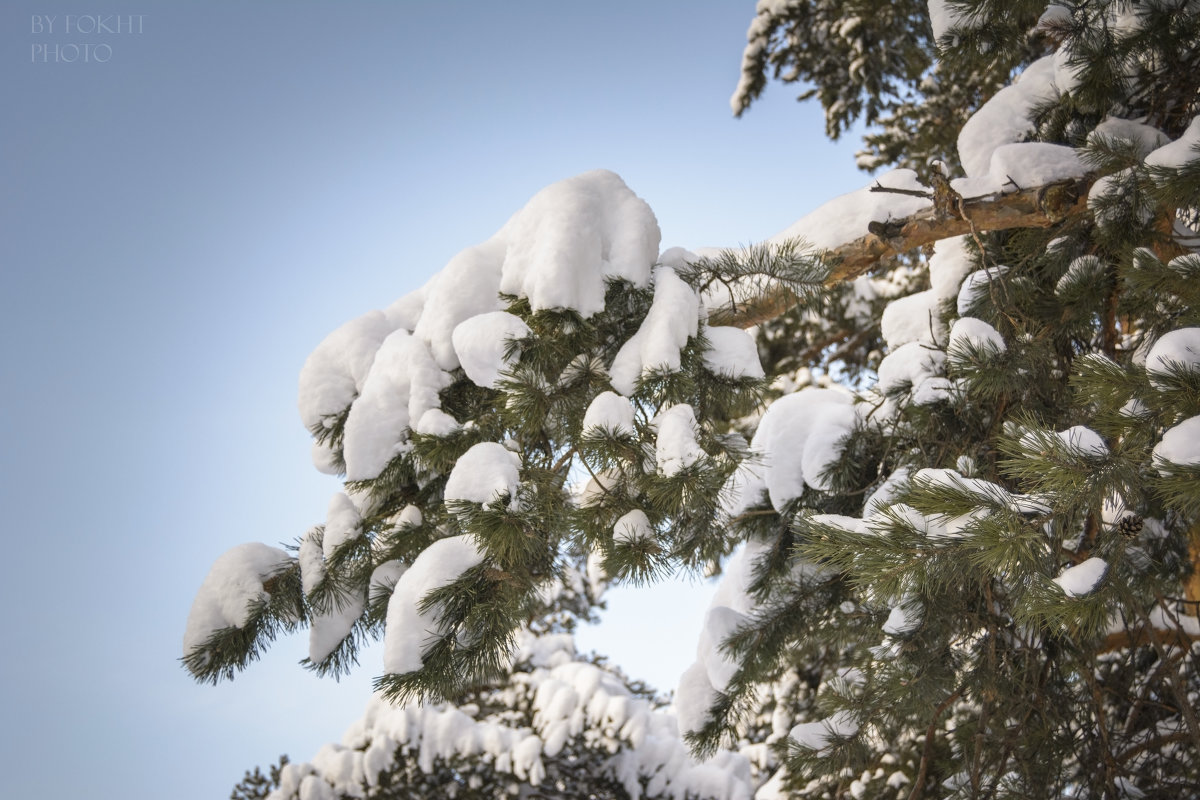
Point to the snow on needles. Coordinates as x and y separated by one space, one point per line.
557 252
555 700
408 630
484 474
233 585
798 438
674 316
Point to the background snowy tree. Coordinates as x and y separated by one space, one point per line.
956 515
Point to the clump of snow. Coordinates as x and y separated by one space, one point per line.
1177 349
917 317
675 446
402 385
912 364
572 236
846 218
1082 579
673 317
612 412
232 586
1147 138
904 618
1180 445
1179 152
328 628
731 352
480 342
1007 117
713 669
468 285
408 629
334 373
485 473
887 492
976 285
1081 271
797 439
632 528
1078 440
1083 440
818 735
968 332
1022 165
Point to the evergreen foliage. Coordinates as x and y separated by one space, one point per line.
969 572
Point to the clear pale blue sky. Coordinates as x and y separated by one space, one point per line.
184 222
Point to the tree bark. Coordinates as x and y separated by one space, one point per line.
1037 207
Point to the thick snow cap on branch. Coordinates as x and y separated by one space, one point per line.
846 218
556 252
673 318
798 438
484 474
480 342
408 629
233 584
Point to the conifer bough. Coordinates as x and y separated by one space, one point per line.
967 571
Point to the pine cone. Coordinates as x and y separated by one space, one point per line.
1130 526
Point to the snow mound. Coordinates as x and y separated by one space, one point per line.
408 629
673 318
1180 445
232 586
485 473
480 342
1082 579
798 438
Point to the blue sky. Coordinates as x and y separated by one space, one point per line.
187 218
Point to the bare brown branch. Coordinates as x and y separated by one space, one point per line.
1036 207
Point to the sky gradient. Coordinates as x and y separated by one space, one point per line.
190 212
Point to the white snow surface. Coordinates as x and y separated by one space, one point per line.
845 218
1180 445
483 474
917 317
1179 348
976 285
407 629
574 234
817 735
1007 117
1082 579
971 332
731 352
402 385
1146 137
333 374
234 582
1025 164
675 446
918 365
1179 152
610 411
944 19
673 318
480 342
1084 440
632 528
796 440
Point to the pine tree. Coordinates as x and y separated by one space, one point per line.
957 515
